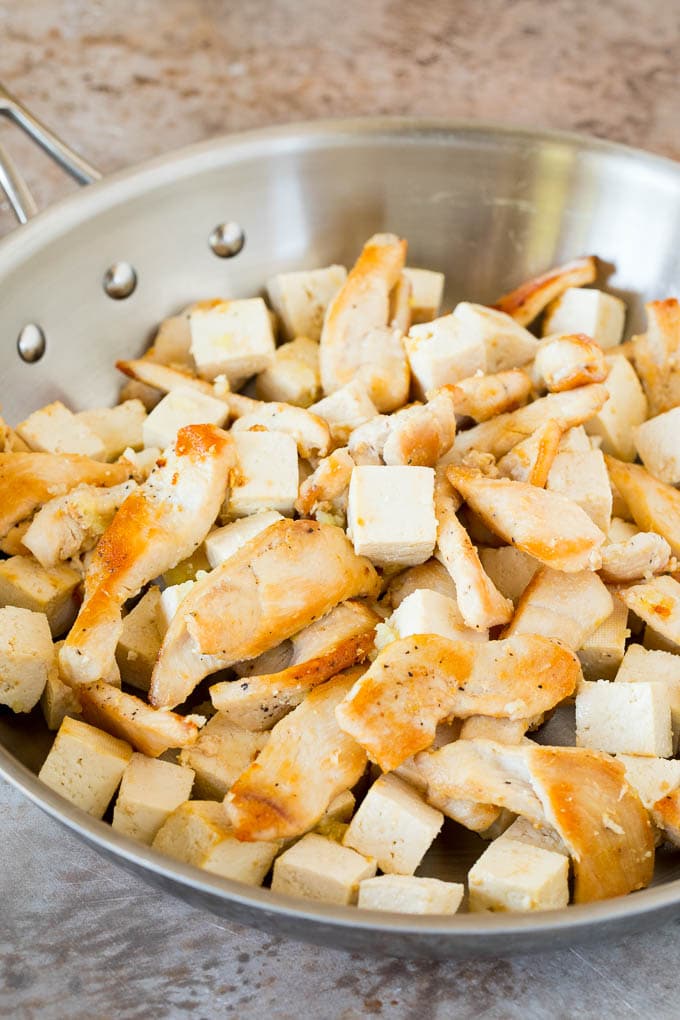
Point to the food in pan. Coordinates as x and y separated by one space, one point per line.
287 634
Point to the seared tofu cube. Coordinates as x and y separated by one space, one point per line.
583 478
117 427
24 583
316 868
140 641
602 652
625 408
624 718
222 752
27 657
406 894
642 665
567 607
428 612
427 290
514 876
394 825
507 344
232 338
585 310
657 441
390 514
300 299
55 429
294 375
58 700
268 474
345 410
651 778
222 543
510 569
169 602
149 792
182 406
85 765
442 352
545 837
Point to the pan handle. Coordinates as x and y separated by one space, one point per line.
12 183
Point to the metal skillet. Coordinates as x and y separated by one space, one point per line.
86 281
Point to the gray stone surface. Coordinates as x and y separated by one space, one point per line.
122 81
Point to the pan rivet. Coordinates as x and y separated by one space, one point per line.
120 280
227 239
31 343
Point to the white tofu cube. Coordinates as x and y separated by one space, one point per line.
427 291
657 642
149 792
624 718
170 601
394 825
642 665
55 429
652 778
58 699
625 408
513 876
222 543
300 298
575 440
27 657
442 352
232 338
584 310
222 752
406 894
182 406
567 607
428 612
316 868
524 831
657 441
345 410
583 478
602 652
507 344
85 765
510 569
24 583
268 474
294 376
117 427
140 641
390 514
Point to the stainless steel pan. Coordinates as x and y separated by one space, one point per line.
487 205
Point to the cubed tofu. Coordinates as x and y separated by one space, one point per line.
657 602
55 429
390 514
169 602
117 427
406 894
514 876
625 408
583 478
27 657
24 583
316 868
657 441
510 569
345 410
442 352
222 543
602 652
575 440
222 752
654 641
394 825
140 641
427 290
524 831
568 607
149 792
268 474
300 299
624 718
643 665
182 406
232 338
507 344
58 700
428 612
294 375
652 778
85 765
585 310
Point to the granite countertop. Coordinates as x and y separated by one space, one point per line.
123 81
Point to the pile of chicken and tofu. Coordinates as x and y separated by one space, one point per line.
418 536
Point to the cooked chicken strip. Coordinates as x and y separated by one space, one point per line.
159 524
565 362
123 715
530 298
551 528
13 542
342 638
309 431
418 435
417 682
484 396
328 486
502 731
399 316
656 355
530 461
287 576
27 480
10 441
307 761
366 443
635 558
655 506
657 602
432 574
163 377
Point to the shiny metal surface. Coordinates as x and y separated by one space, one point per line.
227 239
31 343
120 280
486 206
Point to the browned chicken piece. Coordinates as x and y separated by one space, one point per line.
328 485
528 300
281 581
565 362
400 304
163 377
367 441
633 558
417 682
544 524
484 396
362 306
417 435
10 441
309 431
124 715
657 602
480 603
654 505
665 814
502 731
27 480
562 606
342 638
530 461
161 523
307 761
656 355
432 574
